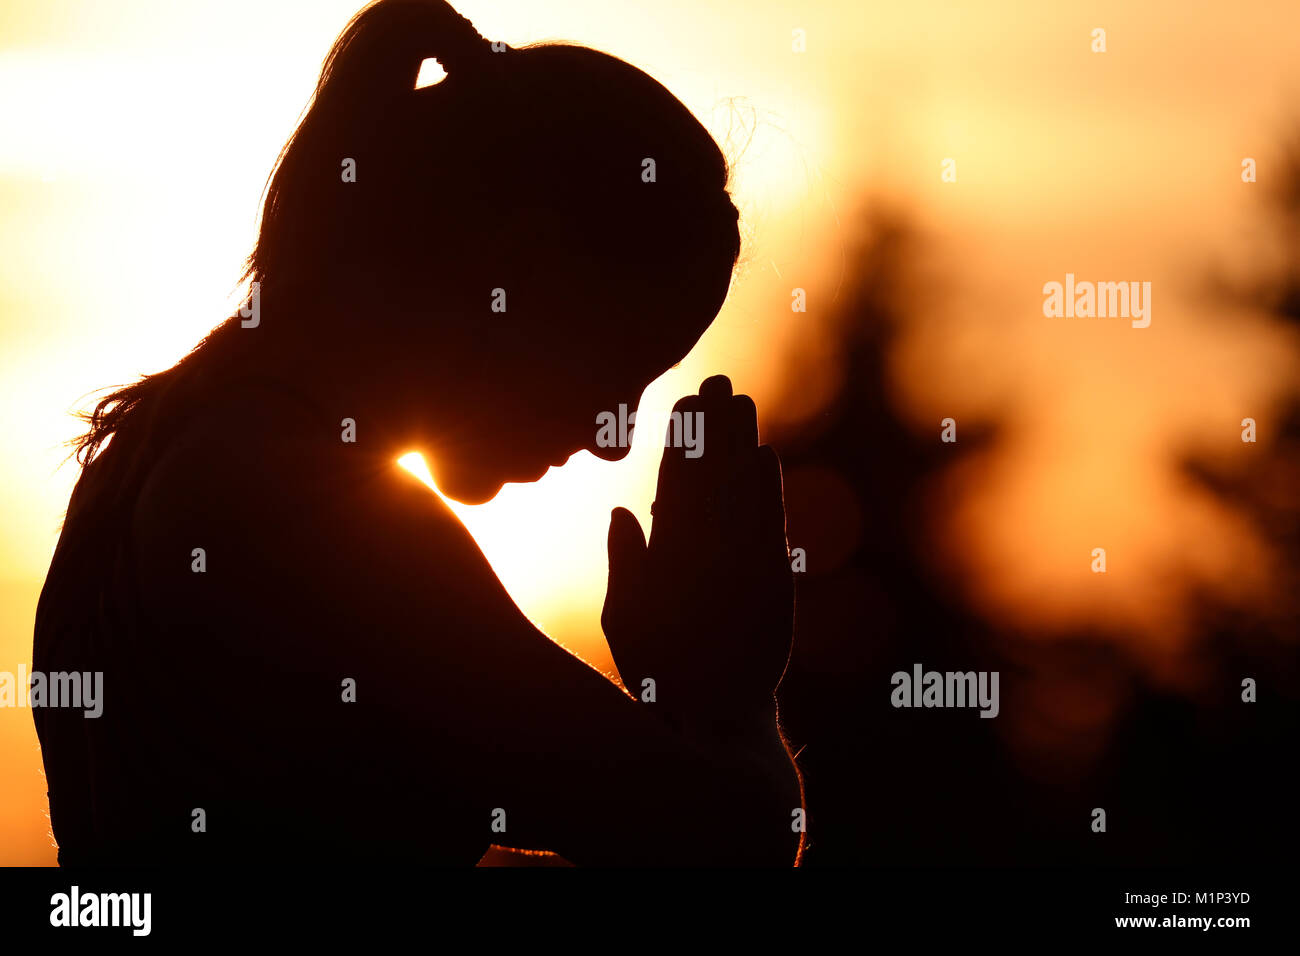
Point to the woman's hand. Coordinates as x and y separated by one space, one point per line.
707 609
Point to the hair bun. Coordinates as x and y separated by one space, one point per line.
459 44
379 53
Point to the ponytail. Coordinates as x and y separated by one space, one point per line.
375 62
364 96
379 54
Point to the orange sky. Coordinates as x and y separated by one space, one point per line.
138 136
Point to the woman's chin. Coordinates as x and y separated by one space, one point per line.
479 489
470 490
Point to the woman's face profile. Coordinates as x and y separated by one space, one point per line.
532 409
520 391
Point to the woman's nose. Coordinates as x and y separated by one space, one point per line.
609 453
611 436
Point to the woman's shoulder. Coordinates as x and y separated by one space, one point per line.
266 489
241 448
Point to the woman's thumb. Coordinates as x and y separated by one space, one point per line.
627 558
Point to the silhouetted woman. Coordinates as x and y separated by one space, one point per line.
303 651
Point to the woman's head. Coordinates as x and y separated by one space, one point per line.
535 238
479 267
